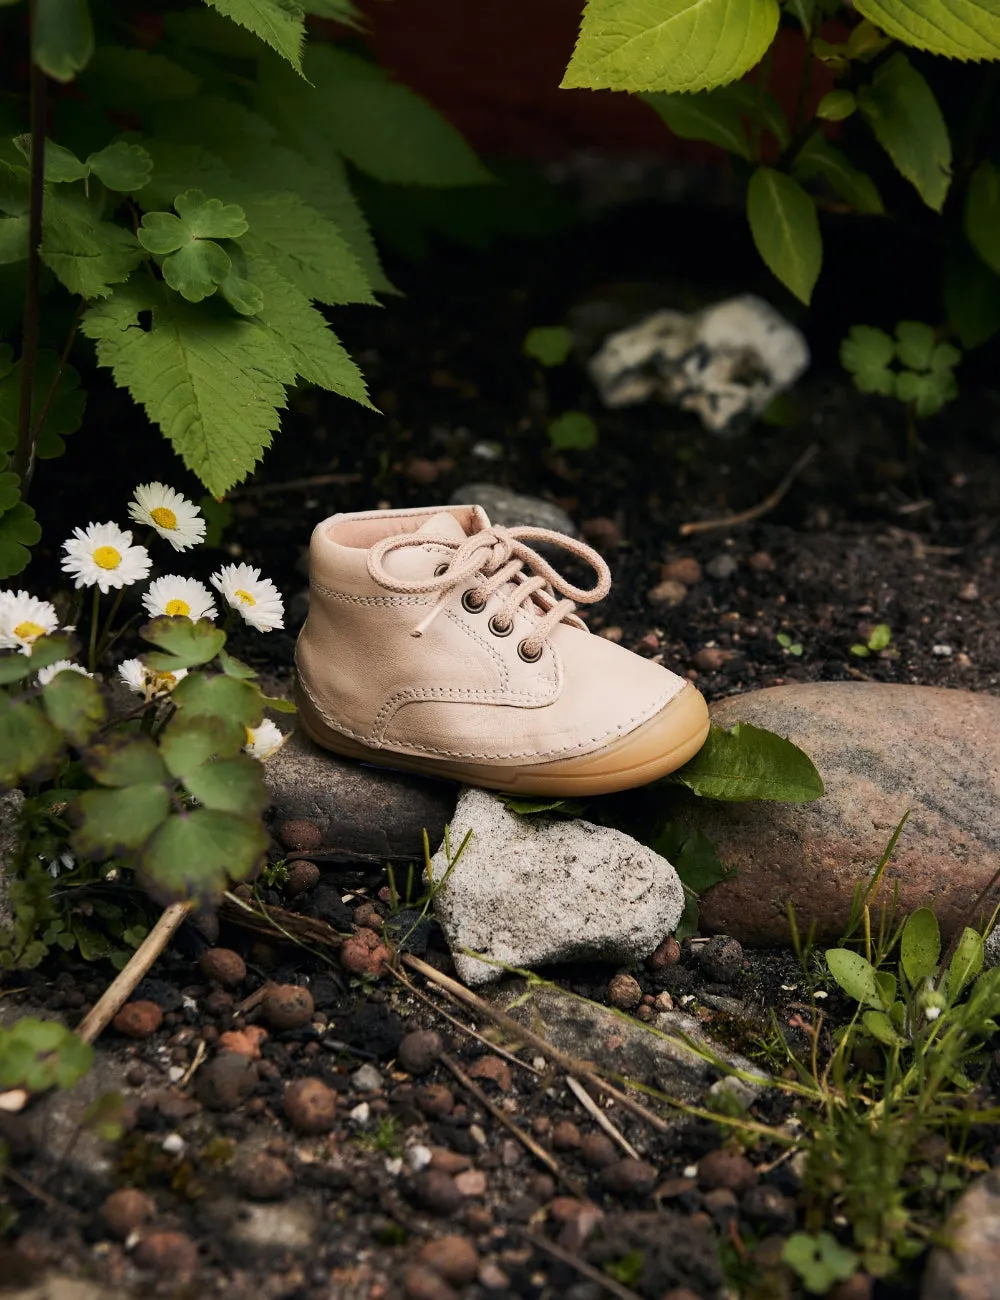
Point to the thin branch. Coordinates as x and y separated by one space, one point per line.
762 508
24 451
38 421
582 1267
595 1112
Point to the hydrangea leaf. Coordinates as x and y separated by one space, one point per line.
19 530
125 760
278 23
820 158
30 745
114 823
188 643
62 38
908 123
673 45
74 704
190 742
960 29
88 255
836 105
196 854
785 229
707 116
982 213
234 785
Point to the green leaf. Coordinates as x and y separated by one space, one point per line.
855 976
712 116
61 165
549 345
907 122
29 744
64 413
673 45
819 158
982 213
125 760
212 381
785 229
234 785
880 638
197 270
133 79
13 189
18 530
114 823
221 696
747 763
836 105
971 298
867 354
757 104
234 667
695 859
303 335
881 1028
13 240
197 217
188 644
75 705
959 29
966 963
88 255
14 666
929 393
190 742
278 23
121 166
915 343
573 431
920 946
803 11
195 855
206 29
819 1260
886 984
241 294
62 37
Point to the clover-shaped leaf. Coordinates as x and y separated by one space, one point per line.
223 697
188 643
197 269
914 344
867 353
124 761
193 263
195 855
30 745
190 742
113 823
929 392
74 704
19 529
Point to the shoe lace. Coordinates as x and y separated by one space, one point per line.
497 557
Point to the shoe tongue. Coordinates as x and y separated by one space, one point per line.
420 561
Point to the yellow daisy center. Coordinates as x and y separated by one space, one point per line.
159 682
28 631
178 609
244 597
106 557
164 517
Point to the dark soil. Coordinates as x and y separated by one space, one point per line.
872 531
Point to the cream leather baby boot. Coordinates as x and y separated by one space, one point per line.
439 643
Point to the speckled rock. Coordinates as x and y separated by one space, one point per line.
532 891
512 510
881 750
969 1267
307 783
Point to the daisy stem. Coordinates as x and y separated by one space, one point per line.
95 611
105 635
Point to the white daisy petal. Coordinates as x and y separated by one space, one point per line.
23 619
143 681
265 740
256 599
172 515
179 598
46 674
102 555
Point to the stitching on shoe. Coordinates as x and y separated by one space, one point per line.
370 600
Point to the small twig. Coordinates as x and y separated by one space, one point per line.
122 987
501 1116
254 1000
40 1194
295 484
499 1051
201 1051
582 1267
762 508
592 1109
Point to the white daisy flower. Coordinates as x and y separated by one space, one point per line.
46 674
263 741
179 598
144 681
172 515
102 555
23 619
257 599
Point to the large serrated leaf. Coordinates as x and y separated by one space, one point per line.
708 116
195 855
908 123
785 229
114 823
30 746
74 704
88 255
213 381
56 390
278 23
820 158
233 785
960 29
672 45
126 760
62 37
133 79
747 763
971 297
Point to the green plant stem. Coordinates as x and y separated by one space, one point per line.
95 612
104 642
24 451
38 423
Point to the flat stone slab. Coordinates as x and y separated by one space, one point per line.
881 750
357 808
968 1268
531 891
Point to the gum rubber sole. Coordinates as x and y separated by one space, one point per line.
660 746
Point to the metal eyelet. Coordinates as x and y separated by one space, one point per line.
470 604
500 629
529 658
439 569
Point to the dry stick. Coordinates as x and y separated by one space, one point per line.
122 987
539 1152
201 1051
592 1109
582 1267
40 1194
500 1051
762 508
